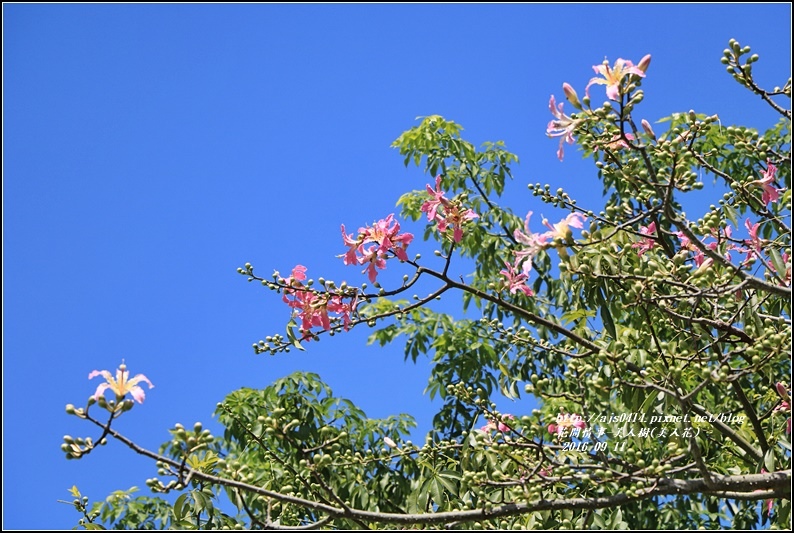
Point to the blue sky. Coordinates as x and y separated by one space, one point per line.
149 150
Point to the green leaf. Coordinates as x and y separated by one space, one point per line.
179 506
731 213
769 460
606 316
437 490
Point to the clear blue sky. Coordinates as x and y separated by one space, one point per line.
150 150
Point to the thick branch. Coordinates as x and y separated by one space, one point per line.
776 483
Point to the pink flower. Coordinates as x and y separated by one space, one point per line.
299 272
311 308
516 282
533 242
350 257
431 206
386 235
562 229
613 76
770 193
498 425
447 213
566 421
122 384
345 309
646 244
561 127
755 243
686 244
374 259
454 217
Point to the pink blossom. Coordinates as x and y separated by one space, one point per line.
566 421
345 309
374 259
350 257
299 272
516 282
755 243
533 243
454 217
311 308
386 235
648 243
769 192
613 76
561 230
714 246
122 384
686 244
447 213
437 200
498 424
561 127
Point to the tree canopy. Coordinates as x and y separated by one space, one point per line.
658 344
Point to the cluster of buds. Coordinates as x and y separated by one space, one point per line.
76 447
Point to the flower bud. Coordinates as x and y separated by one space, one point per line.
647 127
781 390
644 63
390 443
571 96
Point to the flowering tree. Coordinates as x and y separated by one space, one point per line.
657 344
